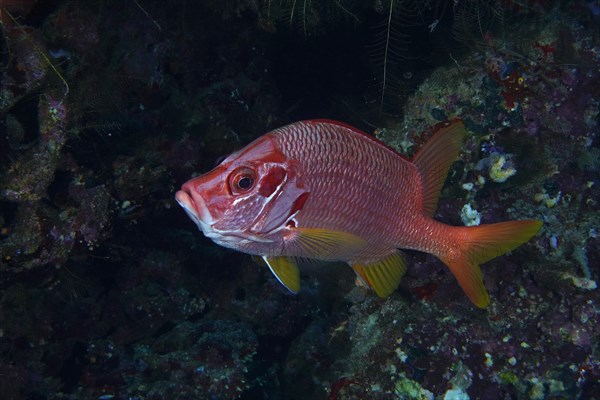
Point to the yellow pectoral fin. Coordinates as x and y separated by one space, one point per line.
326 244
286 271
384 275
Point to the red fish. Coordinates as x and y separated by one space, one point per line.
324 190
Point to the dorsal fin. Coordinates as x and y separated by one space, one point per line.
434 159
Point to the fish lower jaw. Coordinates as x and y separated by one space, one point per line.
196 210
202 226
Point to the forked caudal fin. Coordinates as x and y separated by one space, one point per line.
479 244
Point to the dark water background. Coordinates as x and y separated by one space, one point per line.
108 291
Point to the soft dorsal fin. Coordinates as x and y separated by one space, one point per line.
434 159
382 276
286 271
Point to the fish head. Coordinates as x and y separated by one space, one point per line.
249 200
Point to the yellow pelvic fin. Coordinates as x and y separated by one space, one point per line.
286 271
384 275
434 160
481 244
326 244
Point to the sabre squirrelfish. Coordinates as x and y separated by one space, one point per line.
321 189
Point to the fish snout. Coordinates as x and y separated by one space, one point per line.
194 205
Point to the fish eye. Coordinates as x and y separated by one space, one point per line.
245 182
242 180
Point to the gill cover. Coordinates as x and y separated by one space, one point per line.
264 192
284 196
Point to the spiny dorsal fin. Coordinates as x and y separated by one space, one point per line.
433 161
382 276
286 271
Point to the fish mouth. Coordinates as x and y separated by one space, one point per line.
195 207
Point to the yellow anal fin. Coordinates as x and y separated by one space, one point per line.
382 276
285 270
325 244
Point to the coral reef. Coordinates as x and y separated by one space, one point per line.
107 291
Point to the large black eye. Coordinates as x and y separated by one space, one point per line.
245 182
242 180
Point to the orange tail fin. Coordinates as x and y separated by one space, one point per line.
479 244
